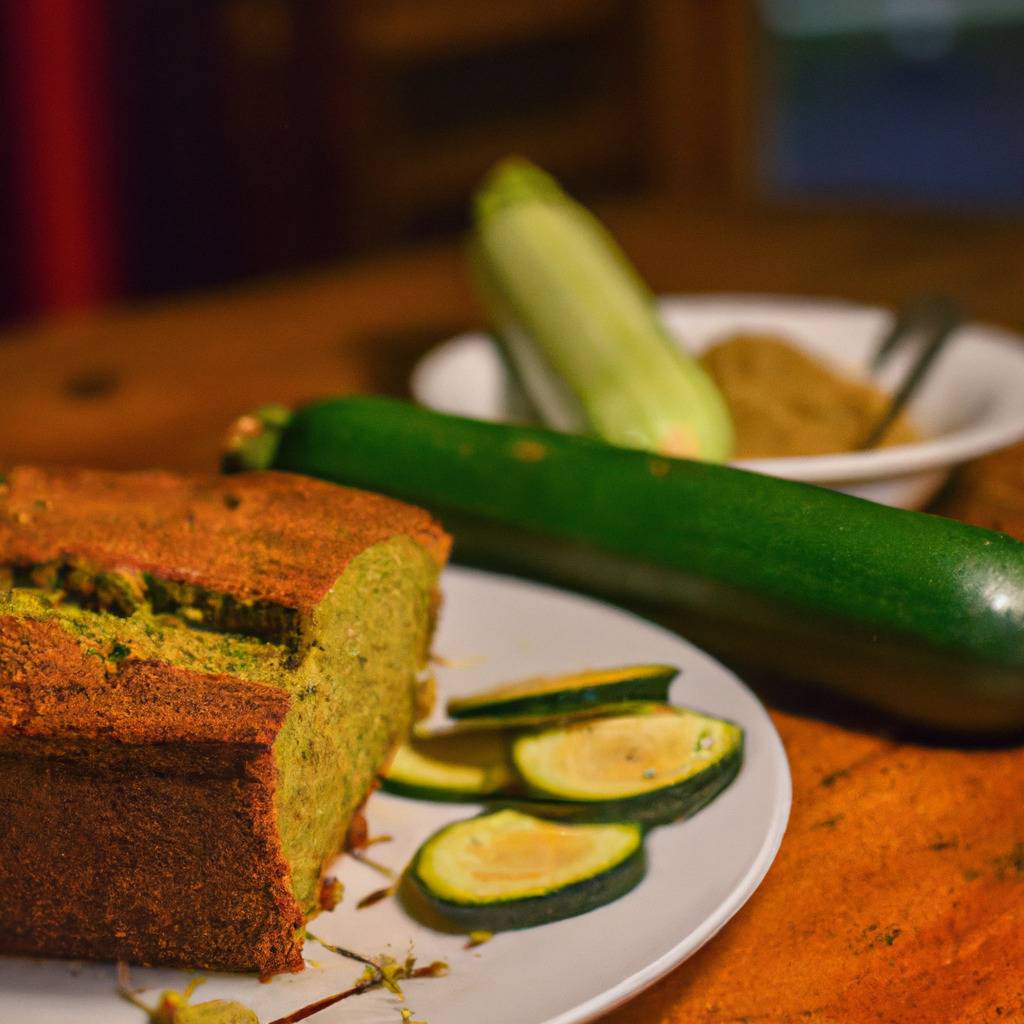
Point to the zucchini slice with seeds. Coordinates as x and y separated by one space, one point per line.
462 766
576 691
654 765
509 870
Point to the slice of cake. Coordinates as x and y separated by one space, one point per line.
199 678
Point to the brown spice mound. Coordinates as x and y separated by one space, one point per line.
784 402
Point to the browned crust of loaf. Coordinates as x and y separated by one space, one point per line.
137 814
266 536
137 817
51 688
145 866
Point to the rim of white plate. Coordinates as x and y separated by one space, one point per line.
984 362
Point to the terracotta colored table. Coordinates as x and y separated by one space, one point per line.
898 894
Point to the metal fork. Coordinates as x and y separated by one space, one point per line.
932 319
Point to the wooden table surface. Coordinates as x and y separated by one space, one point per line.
898 894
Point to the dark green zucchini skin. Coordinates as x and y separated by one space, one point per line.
920 616
580 698
536 910
446 796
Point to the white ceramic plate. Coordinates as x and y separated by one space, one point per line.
971 403
494 628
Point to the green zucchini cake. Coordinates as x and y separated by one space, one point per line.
199 679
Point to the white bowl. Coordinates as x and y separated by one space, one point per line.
971 403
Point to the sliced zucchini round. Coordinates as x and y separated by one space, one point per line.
509 723
462 766
653 765
577 691
511 870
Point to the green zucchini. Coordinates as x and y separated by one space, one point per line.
511 722
580 326
509 870
920 616
464 766
653 766
574 691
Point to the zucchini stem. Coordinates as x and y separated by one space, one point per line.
253 439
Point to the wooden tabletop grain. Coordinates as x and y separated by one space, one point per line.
898 894
159 383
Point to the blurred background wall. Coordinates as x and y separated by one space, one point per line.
155 146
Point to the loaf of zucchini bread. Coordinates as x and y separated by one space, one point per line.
199 679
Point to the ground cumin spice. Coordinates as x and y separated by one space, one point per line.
784 402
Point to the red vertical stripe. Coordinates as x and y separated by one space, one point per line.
63 112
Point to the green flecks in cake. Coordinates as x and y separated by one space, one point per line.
215 611
355 687
146 636
351 669
124 592
118 592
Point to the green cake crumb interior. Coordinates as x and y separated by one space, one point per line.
350 670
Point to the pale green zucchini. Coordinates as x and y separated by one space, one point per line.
580 325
